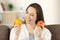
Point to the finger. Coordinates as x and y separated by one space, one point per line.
39 28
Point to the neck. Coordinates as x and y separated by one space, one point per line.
32 26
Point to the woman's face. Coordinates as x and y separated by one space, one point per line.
30 15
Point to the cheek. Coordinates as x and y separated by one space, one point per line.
33 18
25 16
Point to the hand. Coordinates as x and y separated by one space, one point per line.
39 31
16 29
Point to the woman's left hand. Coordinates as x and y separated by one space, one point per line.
16 29
39 31
40 26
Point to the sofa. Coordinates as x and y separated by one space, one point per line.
54 29
4 32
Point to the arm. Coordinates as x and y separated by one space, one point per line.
17 32
39 38
14 34
47 34
38 33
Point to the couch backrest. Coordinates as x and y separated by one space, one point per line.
55 31
4 32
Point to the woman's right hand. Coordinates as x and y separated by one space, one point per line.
17 29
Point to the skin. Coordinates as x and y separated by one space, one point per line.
30 18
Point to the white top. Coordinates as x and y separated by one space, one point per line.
24 35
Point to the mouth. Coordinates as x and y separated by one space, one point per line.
28 20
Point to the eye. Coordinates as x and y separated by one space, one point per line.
32 14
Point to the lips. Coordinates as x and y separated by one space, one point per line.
28 19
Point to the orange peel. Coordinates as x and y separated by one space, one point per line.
18 22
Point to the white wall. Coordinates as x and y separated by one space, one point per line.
51 9
51 12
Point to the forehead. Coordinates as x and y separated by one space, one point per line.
31 9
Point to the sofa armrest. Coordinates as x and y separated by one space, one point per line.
55 31
4 32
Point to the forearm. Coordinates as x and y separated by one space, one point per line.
39 38
16 38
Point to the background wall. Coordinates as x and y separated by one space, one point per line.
8 17
51 9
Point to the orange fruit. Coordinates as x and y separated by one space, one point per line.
18 22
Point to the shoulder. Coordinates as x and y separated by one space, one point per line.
23 26
46 30
47 33
12 29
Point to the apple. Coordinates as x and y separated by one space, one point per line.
40 23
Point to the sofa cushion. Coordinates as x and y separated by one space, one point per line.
4 32
55 31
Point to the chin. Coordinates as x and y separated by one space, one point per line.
28 22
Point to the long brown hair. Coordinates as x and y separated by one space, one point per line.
39 11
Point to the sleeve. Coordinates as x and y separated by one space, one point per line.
47 35
12 34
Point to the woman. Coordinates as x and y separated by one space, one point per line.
29 31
